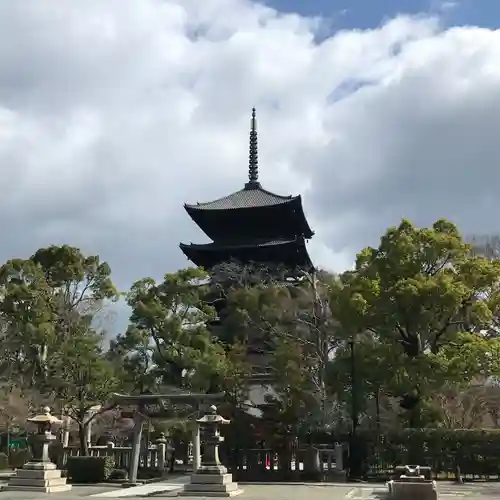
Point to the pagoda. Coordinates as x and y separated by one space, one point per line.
252 225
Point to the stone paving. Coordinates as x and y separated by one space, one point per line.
317 491
76 493
447 491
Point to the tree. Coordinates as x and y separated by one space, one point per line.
168 332
16 406
42 300
81 379
462 408
294 405
80 285
418 292
266 309
379 373
28 321
487 246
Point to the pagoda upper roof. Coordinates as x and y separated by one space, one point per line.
248 197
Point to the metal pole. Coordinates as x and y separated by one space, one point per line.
354 446
354 395
377 402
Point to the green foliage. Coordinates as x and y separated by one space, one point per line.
168 336
475 451
81 280
4 461
291 322
18 457
44 299
28 320
82 378
118 475
422 310
234 373
421 286
90 469
294 395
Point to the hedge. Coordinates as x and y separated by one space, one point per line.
475 451
4 461
89 469
18 457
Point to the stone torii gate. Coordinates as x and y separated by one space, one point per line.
150 406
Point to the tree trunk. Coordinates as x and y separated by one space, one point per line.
84 447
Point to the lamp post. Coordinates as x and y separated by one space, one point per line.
355 455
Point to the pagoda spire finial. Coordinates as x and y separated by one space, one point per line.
253 163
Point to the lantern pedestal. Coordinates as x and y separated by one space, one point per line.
211 479
40 474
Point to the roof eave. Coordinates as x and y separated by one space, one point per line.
203 207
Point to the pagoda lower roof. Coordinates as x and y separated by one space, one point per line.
287 252
248 197
216 247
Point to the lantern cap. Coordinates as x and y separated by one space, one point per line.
212 417
44 418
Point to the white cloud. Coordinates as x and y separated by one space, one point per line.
113 114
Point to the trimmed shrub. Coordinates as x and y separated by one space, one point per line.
89 469
56 452
118 475
146 473
18 457
4 461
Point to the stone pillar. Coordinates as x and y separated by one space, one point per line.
88 432
196 446
40 474
110 451
136 448
161 444
339 456
313 468
65 431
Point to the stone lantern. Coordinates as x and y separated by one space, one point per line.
211 478
40 474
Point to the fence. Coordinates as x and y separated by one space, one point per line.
475 452
149 458
268 465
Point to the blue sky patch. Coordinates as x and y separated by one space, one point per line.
365 14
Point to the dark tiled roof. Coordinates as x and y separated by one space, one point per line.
288 253
245 198
216 247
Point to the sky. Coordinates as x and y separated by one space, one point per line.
114 114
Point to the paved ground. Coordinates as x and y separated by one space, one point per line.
319 491
284 492
447 491
76 493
